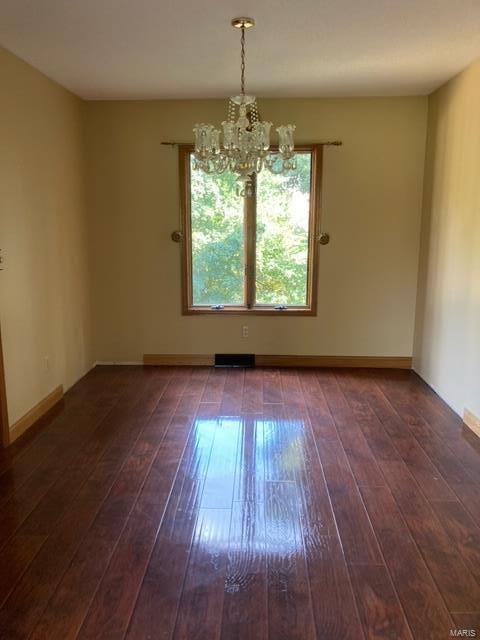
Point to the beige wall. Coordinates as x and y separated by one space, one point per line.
372 209
447 341
44 291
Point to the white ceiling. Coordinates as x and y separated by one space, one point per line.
141 49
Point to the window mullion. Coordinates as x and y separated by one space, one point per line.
250 244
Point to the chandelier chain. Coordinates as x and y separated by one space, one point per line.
242 65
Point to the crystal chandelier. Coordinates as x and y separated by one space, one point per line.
245 146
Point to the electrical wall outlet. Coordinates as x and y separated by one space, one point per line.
245 331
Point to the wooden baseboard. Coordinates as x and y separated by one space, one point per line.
378 362
472 422
174 359
4 431
39 410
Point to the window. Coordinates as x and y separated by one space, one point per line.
251 255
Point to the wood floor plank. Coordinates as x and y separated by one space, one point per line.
79 584
213 391
103 383
110 610
30 450
249 483
380 610
26 492
177 383
422 603
27 601
23 496
272 386
435 410
290 614
152 386
232 396
193 392
32 592
201 605
292 391
158 600
448 425
377 438
469 496
123 494
358 540
15 557
96 487
419 464
316 405
22 467
279 440
155 611
208 409
253 391
442 456
316 514
462 530
359 454
457 585
333 604
336 616
197 381
220 480
50 508
244 615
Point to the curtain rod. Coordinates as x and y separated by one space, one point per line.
325 143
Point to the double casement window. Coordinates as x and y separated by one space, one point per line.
254 254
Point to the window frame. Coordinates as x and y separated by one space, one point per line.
249 307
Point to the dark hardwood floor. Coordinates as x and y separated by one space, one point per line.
214 504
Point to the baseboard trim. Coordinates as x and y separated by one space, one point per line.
174 359
32 416
122 363
377 362
472 422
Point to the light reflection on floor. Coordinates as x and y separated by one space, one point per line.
248 466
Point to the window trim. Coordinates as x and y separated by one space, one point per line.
310 309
